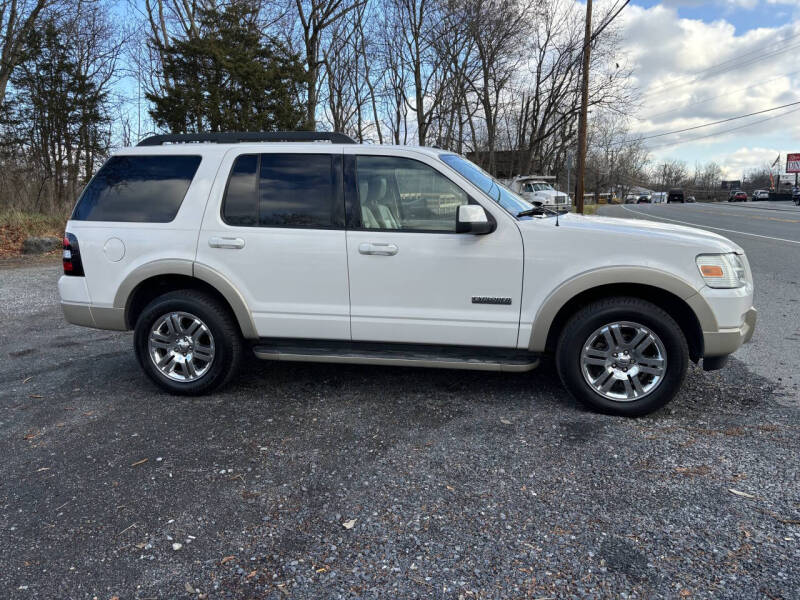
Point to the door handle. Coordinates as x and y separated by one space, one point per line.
377 248
226 242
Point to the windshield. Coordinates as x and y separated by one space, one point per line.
481 179
536 187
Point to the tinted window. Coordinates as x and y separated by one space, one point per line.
282 190
142 189
401 193
240 206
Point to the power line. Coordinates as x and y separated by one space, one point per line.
722 65
717 133
666 112
611 18
697 77
649 137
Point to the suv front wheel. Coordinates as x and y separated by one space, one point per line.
187 342
622 356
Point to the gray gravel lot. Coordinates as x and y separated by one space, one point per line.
461 484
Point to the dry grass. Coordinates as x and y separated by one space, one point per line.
588 209
16 225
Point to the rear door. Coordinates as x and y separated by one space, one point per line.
413 279
274 227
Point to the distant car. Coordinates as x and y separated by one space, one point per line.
690 199
675 196
760 195
643 199
658 197
738 196
796 196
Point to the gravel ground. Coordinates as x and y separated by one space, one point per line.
323 481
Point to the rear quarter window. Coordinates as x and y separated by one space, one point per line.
137 189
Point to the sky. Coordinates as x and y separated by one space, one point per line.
695 62
698 61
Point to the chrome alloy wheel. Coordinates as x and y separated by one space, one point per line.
623 361
181 346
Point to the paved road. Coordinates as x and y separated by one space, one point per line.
769 232
461 484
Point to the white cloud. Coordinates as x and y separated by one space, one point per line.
691 72
721 3
744 159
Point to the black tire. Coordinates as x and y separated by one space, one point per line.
586 321
228 343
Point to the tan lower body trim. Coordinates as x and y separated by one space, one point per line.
727 341
93 316
78 314
109 318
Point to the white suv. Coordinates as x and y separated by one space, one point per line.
210 246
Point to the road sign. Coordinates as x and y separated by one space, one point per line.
793 163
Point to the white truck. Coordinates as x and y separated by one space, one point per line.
535 189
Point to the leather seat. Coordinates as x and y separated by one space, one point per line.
375 210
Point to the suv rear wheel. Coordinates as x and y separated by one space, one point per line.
622 356
187 342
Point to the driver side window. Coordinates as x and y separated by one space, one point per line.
407 195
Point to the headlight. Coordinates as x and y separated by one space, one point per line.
722 270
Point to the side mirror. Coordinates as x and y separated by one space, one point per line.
472 218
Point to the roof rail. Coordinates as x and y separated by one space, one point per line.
235 137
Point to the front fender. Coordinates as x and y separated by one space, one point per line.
616 276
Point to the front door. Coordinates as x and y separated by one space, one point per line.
414 279
274 226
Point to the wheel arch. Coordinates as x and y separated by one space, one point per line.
153 279
677 297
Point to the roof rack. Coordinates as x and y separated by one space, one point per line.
235 137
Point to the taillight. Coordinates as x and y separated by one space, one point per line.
72 256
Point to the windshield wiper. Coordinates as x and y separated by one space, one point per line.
536 210
540 209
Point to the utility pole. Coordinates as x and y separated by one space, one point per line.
587 42
569 168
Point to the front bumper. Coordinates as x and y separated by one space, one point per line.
727 340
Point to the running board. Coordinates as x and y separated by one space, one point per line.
398 355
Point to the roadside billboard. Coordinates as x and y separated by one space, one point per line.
734 184
793 163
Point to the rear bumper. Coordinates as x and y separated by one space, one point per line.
86 315
79 310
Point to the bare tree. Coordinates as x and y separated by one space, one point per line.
351 92
497 29
18 19
60 121
316 16
669 174
548 86
393 84
413 22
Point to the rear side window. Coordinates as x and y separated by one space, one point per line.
284 190
137 189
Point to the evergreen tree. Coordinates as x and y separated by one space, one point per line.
56 114
229 78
